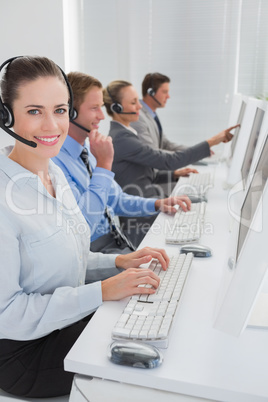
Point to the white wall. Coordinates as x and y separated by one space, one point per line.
31 27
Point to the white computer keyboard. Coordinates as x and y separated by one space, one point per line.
149 318
214 159
196 183
186 226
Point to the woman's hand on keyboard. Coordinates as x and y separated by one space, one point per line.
170 205
142 256
129 283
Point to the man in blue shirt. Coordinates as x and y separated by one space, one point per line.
87 167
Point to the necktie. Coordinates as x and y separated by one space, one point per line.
159 128
84 157
119 236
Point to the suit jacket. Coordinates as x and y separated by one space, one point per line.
135 163
148 132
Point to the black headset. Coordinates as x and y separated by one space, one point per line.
75 114
7 117
116 107
151 91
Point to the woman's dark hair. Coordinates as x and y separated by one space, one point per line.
26 69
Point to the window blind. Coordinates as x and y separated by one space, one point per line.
210 49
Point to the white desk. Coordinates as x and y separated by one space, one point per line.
200 361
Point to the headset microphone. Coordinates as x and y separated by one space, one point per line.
14 135
127 112
151 92
73 117
6 114
80 126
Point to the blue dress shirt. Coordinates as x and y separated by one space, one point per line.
44 256
93 195
152 113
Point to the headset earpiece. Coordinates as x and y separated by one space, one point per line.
150 92
6 115
116 108
73 115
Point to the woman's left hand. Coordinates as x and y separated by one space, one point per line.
142 256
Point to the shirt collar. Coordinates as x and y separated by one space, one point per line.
72 147
19 174
146 107
13 169
128 128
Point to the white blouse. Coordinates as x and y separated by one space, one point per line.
44 256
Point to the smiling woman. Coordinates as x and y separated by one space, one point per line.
41 115
51 283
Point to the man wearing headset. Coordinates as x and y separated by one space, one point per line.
155 93
86 159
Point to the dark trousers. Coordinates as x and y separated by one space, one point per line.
106 244
35 368
136 227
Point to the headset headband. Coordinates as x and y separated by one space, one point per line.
71 109
6 114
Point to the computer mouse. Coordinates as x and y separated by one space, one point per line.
197 198
197 250
135 354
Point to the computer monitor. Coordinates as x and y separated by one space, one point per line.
259 145
239 150
252 143
237 130
242 284
237 111
253 197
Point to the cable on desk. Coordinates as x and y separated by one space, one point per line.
79 389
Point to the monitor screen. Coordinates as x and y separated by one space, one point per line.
253 139
253 197
237 130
